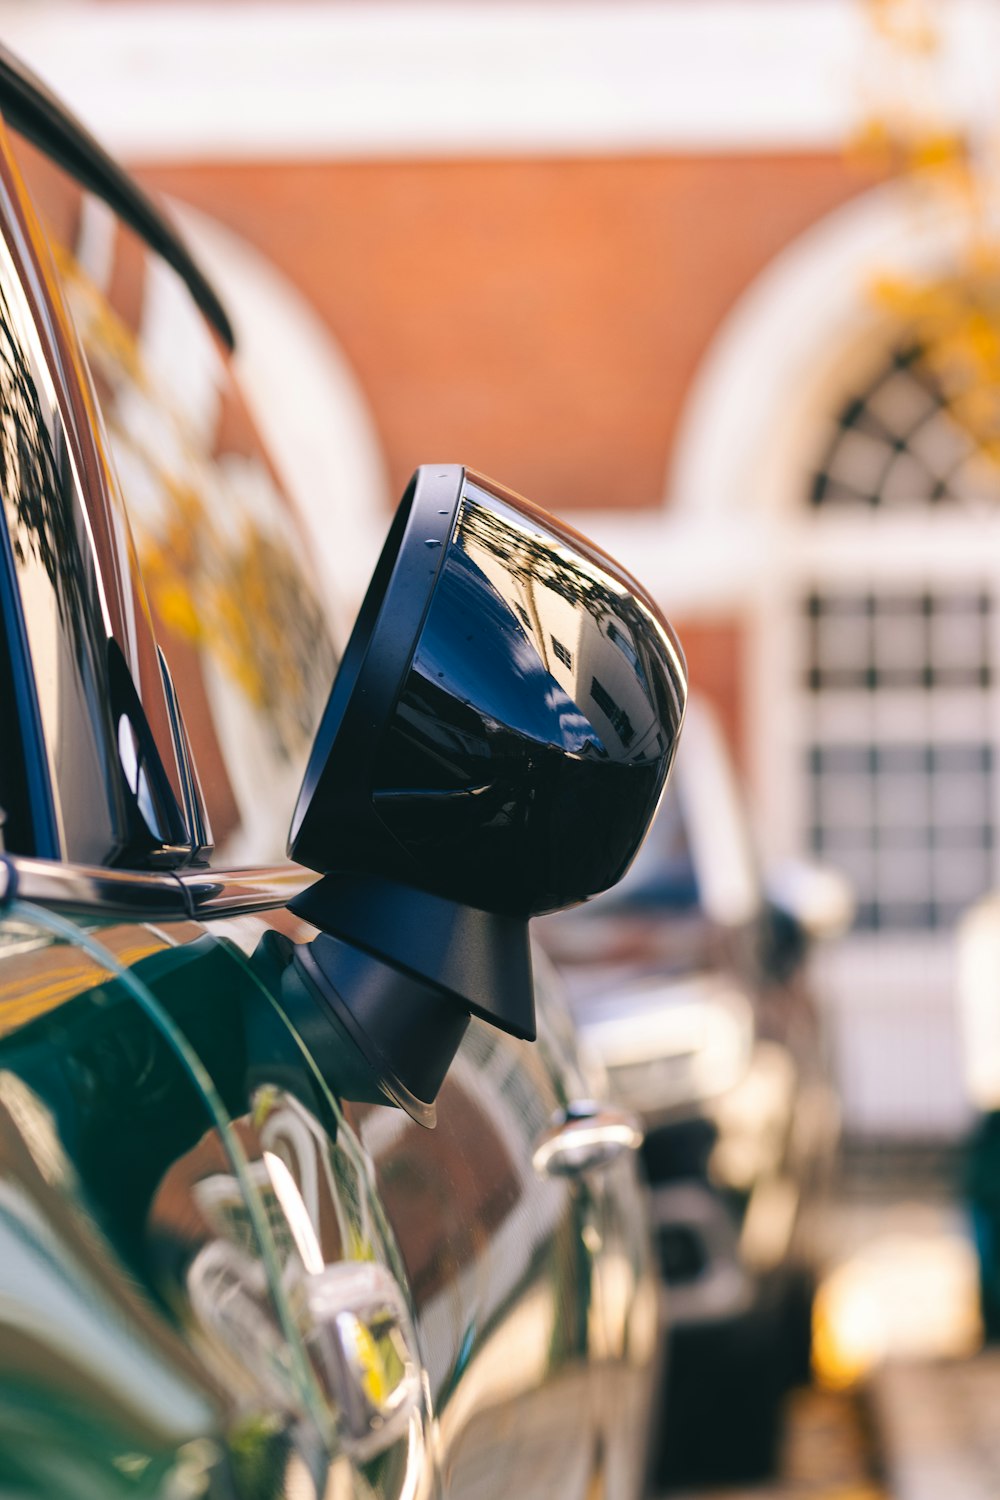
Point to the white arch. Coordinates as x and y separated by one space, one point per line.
781 353
777 366
308 406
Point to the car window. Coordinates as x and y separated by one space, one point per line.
663 872
722 847
231 592
698 852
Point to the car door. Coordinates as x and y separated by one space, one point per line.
169 1138
409 1310
499 1257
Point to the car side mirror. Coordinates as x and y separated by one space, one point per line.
495 746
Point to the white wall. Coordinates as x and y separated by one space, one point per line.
402 77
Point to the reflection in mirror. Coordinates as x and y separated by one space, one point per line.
537 721
579 624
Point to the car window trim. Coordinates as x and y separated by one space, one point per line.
193 809
31 109
25 726
137 895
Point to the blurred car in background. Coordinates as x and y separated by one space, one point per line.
278 1218
978 998
690 983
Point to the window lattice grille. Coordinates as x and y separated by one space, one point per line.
896 445
906 814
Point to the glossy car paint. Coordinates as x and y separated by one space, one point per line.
223 1276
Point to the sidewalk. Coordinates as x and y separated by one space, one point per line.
908 1419
939 1428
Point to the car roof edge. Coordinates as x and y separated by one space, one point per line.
31 109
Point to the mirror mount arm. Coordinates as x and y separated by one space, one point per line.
402 971
480 959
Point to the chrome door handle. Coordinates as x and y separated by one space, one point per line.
364 1352
585 1137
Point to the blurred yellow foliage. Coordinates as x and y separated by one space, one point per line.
955 321
905 23
953 317
220 578
881 147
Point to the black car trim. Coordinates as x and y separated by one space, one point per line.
30 750
94 890
194 812
30 108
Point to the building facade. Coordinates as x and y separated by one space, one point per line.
617 256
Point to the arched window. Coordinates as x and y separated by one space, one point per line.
896 444
900 667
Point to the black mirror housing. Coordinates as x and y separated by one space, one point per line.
505 715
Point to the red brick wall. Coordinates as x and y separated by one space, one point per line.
715 657
540 320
